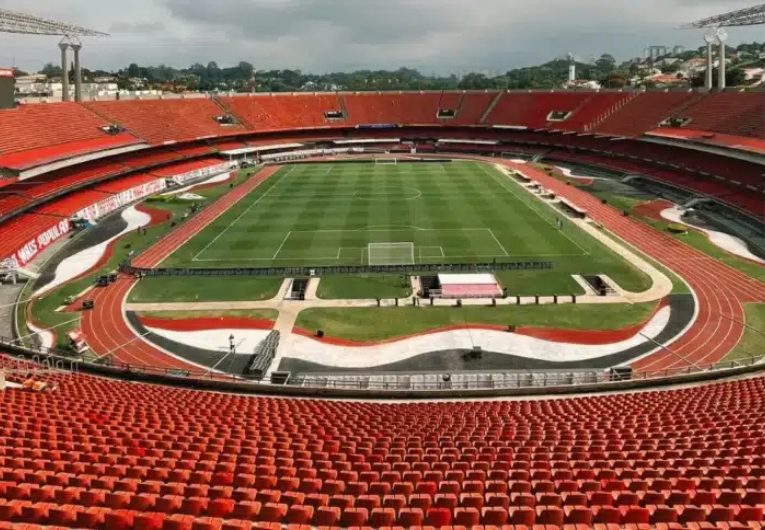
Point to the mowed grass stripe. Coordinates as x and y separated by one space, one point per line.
325 214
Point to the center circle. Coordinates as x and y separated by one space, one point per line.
389 194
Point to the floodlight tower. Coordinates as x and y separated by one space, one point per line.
722 36
64 45
16 22
77 46
710 37
748 16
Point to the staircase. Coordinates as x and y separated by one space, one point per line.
228 112
459 105
343 107
493 104
600 119
688 104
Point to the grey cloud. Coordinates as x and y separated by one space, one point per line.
322 35
140 28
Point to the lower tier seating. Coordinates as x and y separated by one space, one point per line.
94 453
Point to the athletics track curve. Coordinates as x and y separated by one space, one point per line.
720 290
105 327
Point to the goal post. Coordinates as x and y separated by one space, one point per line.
391 253
382 161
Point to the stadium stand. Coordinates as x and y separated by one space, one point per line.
735 113
17 232
159 121
125 183
533 109
54 183
36 134
184 167
152 157
86 452
595 110
472 108
193 150
645 112
72 203
393 108
275 112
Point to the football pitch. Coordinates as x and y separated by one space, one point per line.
410 213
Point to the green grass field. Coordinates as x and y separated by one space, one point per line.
372 324
752 344
462 212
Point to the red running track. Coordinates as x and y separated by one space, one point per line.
720 289
105 327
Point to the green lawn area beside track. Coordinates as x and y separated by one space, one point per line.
694 238
374 324
364 286
204 289
461 212
255 314
752 344
43 309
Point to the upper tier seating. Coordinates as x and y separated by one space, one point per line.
736 113
167 120
274 112
474 105
394 108
95 453
595 108
36 134
532 109
644 113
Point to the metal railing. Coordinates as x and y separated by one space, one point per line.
436 383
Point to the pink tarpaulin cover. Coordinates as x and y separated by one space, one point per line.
470 290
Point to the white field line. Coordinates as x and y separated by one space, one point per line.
532 208
242 214
309 259
282 245
408 229
497 240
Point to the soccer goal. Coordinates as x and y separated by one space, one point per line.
386 161
391 253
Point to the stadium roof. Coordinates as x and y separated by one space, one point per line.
748 16
15 22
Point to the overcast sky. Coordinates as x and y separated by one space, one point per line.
441 36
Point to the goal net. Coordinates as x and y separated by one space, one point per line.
391 253
386 161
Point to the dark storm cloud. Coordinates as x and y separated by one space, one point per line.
322 35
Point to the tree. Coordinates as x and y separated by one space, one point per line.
473 81
733 77
606 64
50 70
133 70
